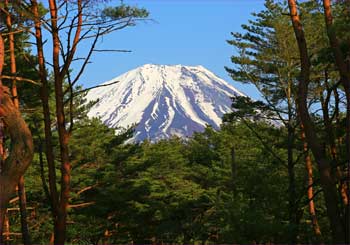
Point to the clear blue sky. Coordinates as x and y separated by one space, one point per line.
188 32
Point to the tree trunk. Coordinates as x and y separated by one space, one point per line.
331 140
60 222
23 211
324 166
344 72
59 203
310 182
42 172
13 67
21 152
44 96
21 188
327 120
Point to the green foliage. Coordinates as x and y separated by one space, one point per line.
183 191
124 11
225 186
268 58
244 107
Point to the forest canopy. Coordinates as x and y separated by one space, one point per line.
277 170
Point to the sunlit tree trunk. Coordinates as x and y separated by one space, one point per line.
60 222
59 75
44 96
310 182
331 140
324 166
20 187
344 72
343 68
21 148
63 54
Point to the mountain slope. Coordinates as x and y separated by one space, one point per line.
164 100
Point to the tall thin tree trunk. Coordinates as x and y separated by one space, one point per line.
60 225
327 120
42 172
310 182
324 166
344 72
23 211
20 186
60 222
344 188
13 67
44 96
331 140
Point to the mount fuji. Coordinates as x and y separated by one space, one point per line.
163 100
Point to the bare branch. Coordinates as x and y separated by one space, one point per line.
112 50
81 205
21 79
98 86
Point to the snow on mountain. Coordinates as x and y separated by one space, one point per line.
163 100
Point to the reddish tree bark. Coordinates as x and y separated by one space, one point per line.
310 182
60 222
62 57
327 121
21 188
324 166
21 152
59 74
44 96
343 68
22 148
344 71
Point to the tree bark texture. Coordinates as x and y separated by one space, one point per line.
59 75
324 166
343 66
21 153
44 96
310 182
21 188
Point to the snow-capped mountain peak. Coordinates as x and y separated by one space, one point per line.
163 100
